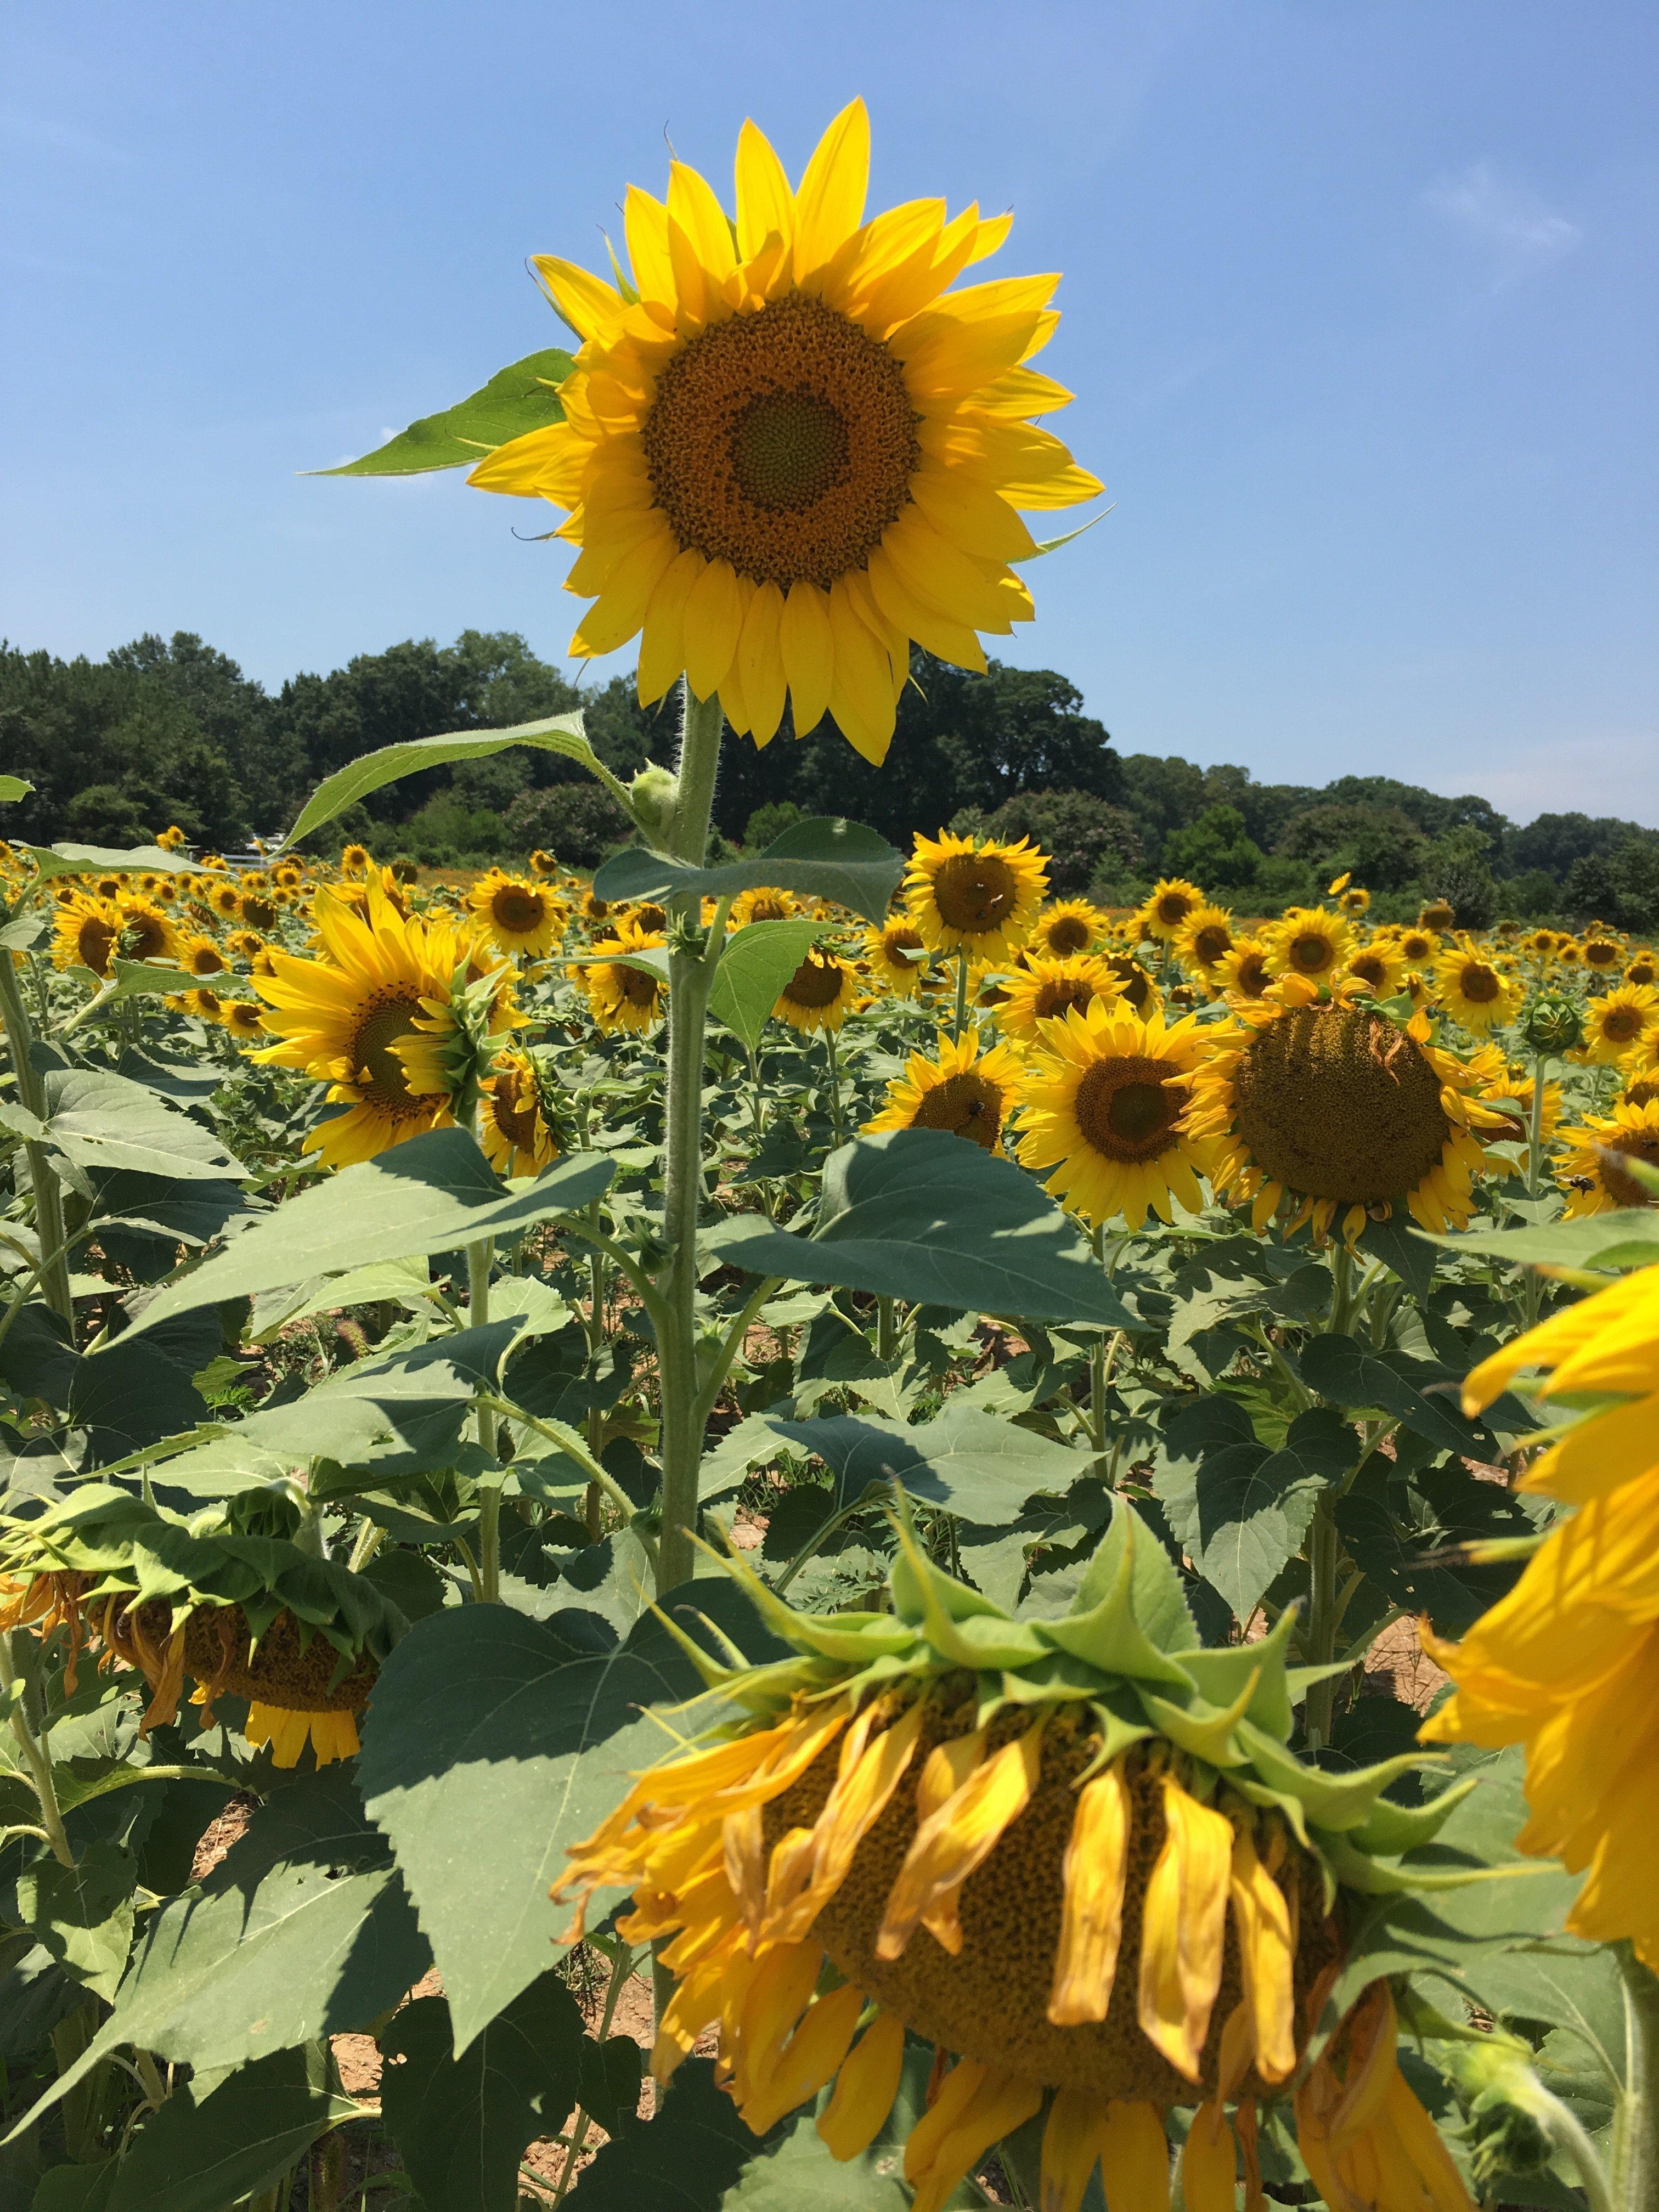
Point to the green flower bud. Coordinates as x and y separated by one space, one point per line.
654 794
1506 2103
1553 1023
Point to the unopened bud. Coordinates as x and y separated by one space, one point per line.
654 794
1551 1023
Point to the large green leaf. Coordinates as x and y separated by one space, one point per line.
494 1741
979 1467
1239 1510
83 1914
434 1194
99 860
126 1397
826 857
191 2157
523 396
1628 1237
103 1121
463 2123
756 963
75 2188
1417 1392
13 787
555 733
923 1215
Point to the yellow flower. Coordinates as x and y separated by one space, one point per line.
200 955
355 860
621 997
242 1018
1496 1081
519 916
1204 940
146 933
226 900
819 995
1356 900
888 950
511 1128
1043 990
543 863
1602 954
1379 966
1066 926
86 933
1643 969
1590 1174
1362 2135
1437 917
1618 1024
1308 943
967 1089
1475 992
762 904
1243 973
788 449
171 838
1343 1111
1103 1106
1169 902
977 896
1418 948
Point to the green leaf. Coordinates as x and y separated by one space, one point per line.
923 1215
756 963
434 1194
492 1742
76 2188
144 978
463 2123
191 2157
103 1121
1238 1510
1401 1248
98 860
555 733
83 1914
827 857
13 787
1346 1372
127 1397
979 1467
523 396
1628 1237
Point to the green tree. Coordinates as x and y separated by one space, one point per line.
1085 838
1380 847
1216 852
1163 795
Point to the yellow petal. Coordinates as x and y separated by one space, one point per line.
970 515
1092 1918
1071 2147
765 202
645 227
814 2051
1267 1955
942 357
619 611
713 614
944 575
973 2109
1183 1925
829 205
956 1839
693 204
943 636
662 648
586 302
862 674
806 640
545 464
1134 2159
760 658
865 2089
1209 2163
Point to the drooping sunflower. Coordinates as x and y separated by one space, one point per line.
521 916
820 994
1066 926
386 1018
86 933
1104 1111
1568 1663
967 1088
1168 904
147 930
1243 973
789 449
1344 1111
888 951
620 997
1076 1856
1310 943
1618 1024
1474 990
1040 990
975 895
1590 1174
1204 940
511 1129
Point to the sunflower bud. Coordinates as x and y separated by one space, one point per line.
654 794
1553 1024
1506 2103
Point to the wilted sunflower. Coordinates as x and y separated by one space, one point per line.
1040 990
1167 906
147 930
1204 940
764 903
889 950
967 1089
621 997
789 449
979 897
1077 1856
1618 1024
1103 1108
1474 990
516 1139
1308 943
1243 973
384 1019
1590 1174
86 933
1066 926
1341 1110
819 995
519 916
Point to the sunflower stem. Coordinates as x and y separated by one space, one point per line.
48 1196
1636 2119
36 1756
836 1128
690 976
480 1257
961 1021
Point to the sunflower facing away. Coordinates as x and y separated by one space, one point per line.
516 1139
621 997
1042 990
1103 1112
977 896
966 1089
1077 1856
1590 1173
789 448
519 916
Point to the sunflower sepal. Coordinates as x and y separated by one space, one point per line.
1390 1827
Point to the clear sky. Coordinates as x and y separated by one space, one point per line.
1361 313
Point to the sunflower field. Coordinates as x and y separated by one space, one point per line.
820 1530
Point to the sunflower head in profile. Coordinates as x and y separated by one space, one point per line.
1066 926
147 931
520 916
896 957
1308 943
1343 1111
1474 990
789 448
1167 906
764 903
621 996
260 910
1204 940
967 1088
594 910
1103 1114
1592 1172
512 1126
1438 917
820 994
1077 1856
86 933
356 891
1618 1023
974 895
1043 990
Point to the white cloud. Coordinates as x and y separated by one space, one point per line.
1509 222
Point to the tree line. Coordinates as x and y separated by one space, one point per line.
172 730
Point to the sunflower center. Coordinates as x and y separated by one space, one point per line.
975 892
814 983
1630 1144
93 942
1057 998
1068 933
784 442
1621 1024
1369 969
516 907
144 935
306 1675
516 1123
636 985
1210 942
1137 984
1126 1110
381 1075
1339 1103
1311 952
1479 985
1601 954
965 1104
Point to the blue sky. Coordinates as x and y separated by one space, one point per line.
1360 311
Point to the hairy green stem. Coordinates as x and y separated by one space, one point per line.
36 1756
1322 1621
836 1130
1635 2118
480 1256
887 1336
48 1195
961 1021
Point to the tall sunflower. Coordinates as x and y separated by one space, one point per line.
1342 1110
788 449
1103 1109
1168 904
979 897
1474 990
1310 943
1058 1851
521 916
1040 990
968 1089
1590 1173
